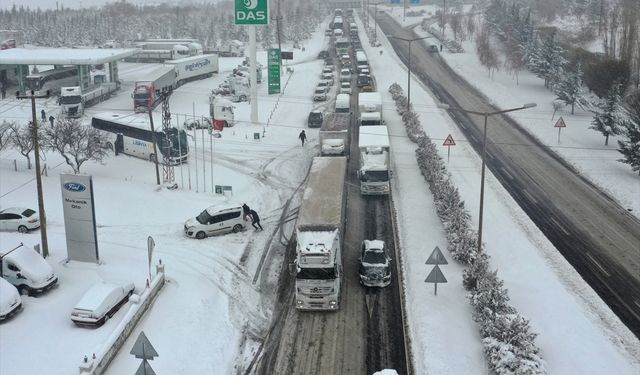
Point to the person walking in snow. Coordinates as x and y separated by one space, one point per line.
255 220
51 119
43 114
246 212
303 137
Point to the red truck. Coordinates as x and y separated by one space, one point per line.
147 88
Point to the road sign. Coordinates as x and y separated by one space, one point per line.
251 12
145 369
142 349
286 55
273 68
436 257
449 141
220 189
435 277
560 123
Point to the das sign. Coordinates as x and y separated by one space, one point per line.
251 12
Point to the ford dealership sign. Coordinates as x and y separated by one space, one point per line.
75 187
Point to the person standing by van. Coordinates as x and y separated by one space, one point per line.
246 212
303 137
255 220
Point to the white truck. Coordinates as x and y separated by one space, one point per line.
73 100
221 111
240 88
27 270
334 132
319 231
194 67
375 171
147 87
370 108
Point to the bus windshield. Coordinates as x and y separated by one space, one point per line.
33 83
69 99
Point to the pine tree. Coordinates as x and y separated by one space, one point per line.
609 118
630 148
569 90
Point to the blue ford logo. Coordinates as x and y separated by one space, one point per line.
74 186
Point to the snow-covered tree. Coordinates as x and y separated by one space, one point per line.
5 134
486 52
76 142
630 147
609 118
569 89
21 138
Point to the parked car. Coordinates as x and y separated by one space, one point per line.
197 124
326 84
345 88
100 303
328 77
345 60
327 69
315 119
27 270
323 54
329 63
10 300
20 219
338 33
375 264
215 220
432 48
345 75
320 94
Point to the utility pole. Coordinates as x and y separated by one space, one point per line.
155 147
36 149
168 174
278 18
444 10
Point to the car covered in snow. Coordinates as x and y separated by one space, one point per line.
375 264
320 94
345 75
10 300
100 303
215 220
19 219
27 270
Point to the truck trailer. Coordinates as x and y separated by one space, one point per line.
73 100
194 67
375 171
147 88
319 231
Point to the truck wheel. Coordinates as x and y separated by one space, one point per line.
22 229
237 228
152 158
200 235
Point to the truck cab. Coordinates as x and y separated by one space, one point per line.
221 111
71 101
27 271
375 171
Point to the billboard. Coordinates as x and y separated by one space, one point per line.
79 217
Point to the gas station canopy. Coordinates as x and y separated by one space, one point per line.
63 56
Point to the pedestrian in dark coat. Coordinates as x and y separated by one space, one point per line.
255 220
51 119
43 114
303 137
246 211
3 89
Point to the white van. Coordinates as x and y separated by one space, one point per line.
27 271
10 300
343 103
100 303
215 220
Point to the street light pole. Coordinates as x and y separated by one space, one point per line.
36 149
409 65
486 116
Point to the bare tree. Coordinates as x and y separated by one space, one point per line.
455 22
21 138
486 52
76 142
471 25
5 135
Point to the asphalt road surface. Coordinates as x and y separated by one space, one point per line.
594 233
366 334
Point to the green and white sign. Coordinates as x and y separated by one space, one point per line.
252 12
273 67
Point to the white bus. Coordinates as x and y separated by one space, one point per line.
131 134
52 80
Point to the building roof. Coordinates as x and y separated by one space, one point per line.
63 56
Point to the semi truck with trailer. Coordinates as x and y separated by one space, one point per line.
334 132
147 88
319 232
194 67
375 170
73 100
370 108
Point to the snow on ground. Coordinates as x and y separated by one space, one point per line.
578 332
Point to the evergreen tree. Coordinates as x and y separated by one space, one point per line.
630 148
609 118
569 90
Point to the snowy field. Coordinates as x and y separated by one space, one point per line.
213 298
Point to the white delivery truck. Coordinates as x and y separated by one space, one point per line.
73 100
194 67
319 231
375 171
27 270
370 103
334 132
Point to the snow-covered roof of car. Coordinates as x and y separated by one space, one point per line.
64 56
374 244
13 210
223 207
94 297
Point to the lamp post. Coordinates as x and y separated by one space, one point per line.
409 65
375 20
486 115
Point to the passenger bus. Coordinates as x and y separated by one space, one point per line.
131 134
52 80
